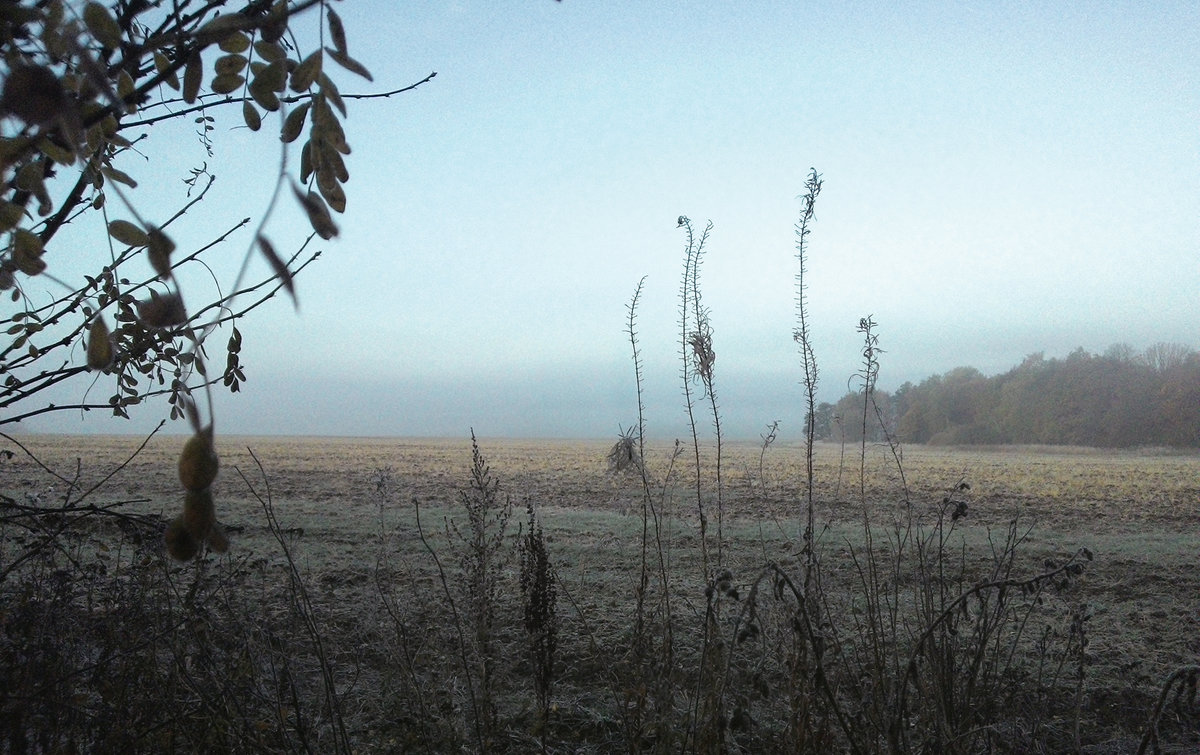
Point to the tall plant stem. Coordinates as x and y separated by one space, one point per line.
803 338
686 292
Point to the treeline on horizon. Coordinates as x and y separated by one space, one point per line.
1120 399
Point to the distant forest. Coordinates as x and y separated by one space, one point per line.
1122 398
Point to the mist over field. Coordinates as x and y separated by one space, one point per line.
590 400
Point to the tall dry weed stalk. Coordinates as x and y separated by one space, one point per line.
540 615
481 563
652 650
393 586
698 362
911 650
802 335
697 359
304 612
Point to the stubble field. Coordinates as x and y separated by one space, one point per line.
372 632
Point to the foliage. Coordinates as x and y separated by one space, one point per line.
1111 400
87 90
1120 399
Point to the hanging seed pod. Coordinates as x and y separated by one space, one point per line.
193 72
99 346
218 541
180 543
199 514
198 463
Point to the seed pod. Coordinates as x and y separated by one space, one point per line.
198 463
180 543
217 539
199 514
192 73
99 346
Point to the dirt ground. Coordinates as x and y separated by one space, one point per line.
1138 512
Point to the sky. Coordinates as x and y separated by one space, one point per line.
1000 179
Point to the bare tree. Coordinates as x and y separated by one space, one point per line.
1164 356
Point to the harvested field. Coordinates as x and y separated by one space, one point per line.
397 666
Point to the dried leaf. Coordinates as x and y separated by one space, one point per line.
332 190
27 242
327 126
27 253
276 23
193 72
220 28
102 25
126 89
236 42
263 97
273 76
306 73
10 215
119 176
160 249
270 51
193 413
279 267
350 64
30 176
128 233
163 66
228 65
336 31
306 162
318 213
251 116
333 161
294 124
99 346
226 84
330 91
55 151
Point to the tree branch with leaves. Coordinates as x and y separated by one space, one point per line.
86 86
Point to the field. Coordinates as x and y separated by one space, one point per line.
330 625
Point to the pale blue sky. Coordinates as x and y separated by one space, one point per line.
1001 178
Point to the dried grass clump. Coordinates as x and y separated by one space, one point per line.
624 455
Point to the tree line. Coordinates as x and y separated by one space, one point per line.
1121 398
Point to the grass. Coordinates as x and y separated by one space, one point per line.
399 676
